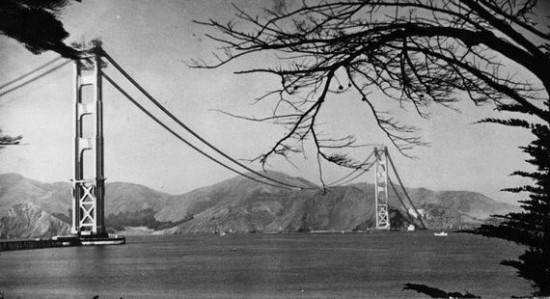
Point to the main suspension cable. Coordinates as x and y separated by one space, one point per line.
403 187
400 199
363 171
144 110
30 72
163 109
33 79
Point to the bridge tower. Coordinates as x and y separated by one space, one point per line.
89 181
381 189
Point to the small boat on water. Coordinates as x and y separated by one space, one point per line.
440 234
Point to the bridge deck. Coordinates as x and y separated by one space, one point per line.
64 241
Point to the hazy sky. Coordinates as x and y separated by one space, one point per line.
151 40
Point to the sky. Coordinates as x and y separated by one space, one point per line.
152 40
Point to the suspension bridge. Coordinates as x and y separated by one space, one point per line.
88 182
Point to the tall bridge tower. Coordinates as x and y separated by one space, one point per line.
381 189
89 180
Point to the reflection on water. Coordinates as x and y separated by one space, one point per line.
255 265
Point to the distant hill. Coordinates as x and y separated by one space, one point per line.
240 205
125 202
29 220
236 205
16 189
449 209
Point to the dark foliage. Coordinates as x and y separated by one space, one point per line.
437 293
35 23
531 227
8 140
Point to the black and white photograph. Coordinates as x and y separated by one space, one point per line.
274 149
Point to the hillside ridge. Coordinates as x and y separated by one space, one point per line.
239 205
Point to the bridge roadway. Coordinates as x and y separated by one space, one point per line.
60 241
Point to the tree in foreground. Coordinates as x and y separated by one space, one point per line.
6 140
531 227
35 24
415 52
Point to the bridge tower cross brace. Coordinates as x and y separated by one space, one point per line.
381 189
89 181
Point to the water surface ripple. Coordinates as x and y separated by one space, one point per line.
359 265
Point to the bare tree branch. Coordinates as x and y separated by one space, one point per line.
412 51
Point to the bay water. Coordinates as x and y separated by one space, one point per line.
327 265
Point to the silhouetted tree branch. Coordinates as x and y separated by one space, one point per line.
415 52
437 293
418 51
8 140
35 23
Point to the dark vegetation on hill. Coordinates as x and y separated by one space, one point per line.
33 209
